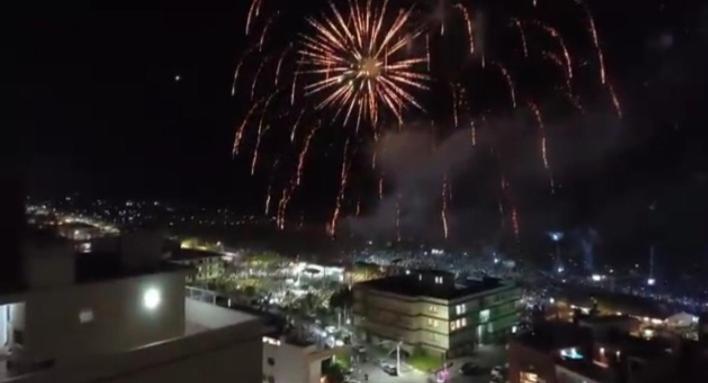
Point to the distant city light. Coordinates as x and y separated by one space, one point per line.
560 269
571 353
551 300
556 235
178 78
651 281
597 277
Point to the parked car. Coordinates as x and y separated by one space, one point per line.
389 369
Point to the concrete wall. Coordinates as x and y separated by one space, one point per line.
228 355
290 364
53 329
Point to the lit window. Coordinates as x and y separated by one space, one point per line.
439 280
458 324
433 308
461 309
484 316
529 377
432 322
86 316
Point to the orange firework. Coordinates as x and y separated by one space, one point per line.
360 62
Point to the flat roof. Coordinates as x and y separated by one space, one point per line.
201 316
409 286
551 336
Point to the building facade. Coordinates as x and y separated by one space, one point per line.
93 318
427 309
292 361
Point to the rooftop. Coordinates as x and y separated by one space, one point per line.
207 328
410 286
192 254
551 336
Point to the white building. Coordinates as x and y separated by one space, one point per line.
292 361
94 318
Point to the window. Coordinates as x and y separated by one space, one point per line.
529 377
271 362
460 309
484 316
458 324
432 322
433 308
85 316
18 337
438 280
420 277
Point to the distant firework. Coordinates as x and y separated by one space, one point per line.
360 63
364 67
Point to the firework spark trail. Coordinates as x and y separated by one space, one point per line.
522 35
280 64
255 78
509 82
575 101
360 64
381 187
257 147
282 207
343 179
261 131
358 207
544 150
468 23
552 57
267 201
242 127
595 41
252 13
615 100
303 154
473 132
443 210
455 104
261 41
553 32
292 88
293 131
427 51
236 72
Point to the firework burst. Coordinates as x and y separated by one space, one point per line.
359 64
373 64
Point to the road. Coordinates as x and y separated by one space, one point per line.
486 357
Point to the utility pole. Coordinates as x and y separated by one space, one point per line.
398 357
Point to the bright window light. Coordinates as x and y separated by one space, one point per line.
86 316
151 298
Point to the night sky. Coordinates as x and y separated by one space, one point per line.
107 116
